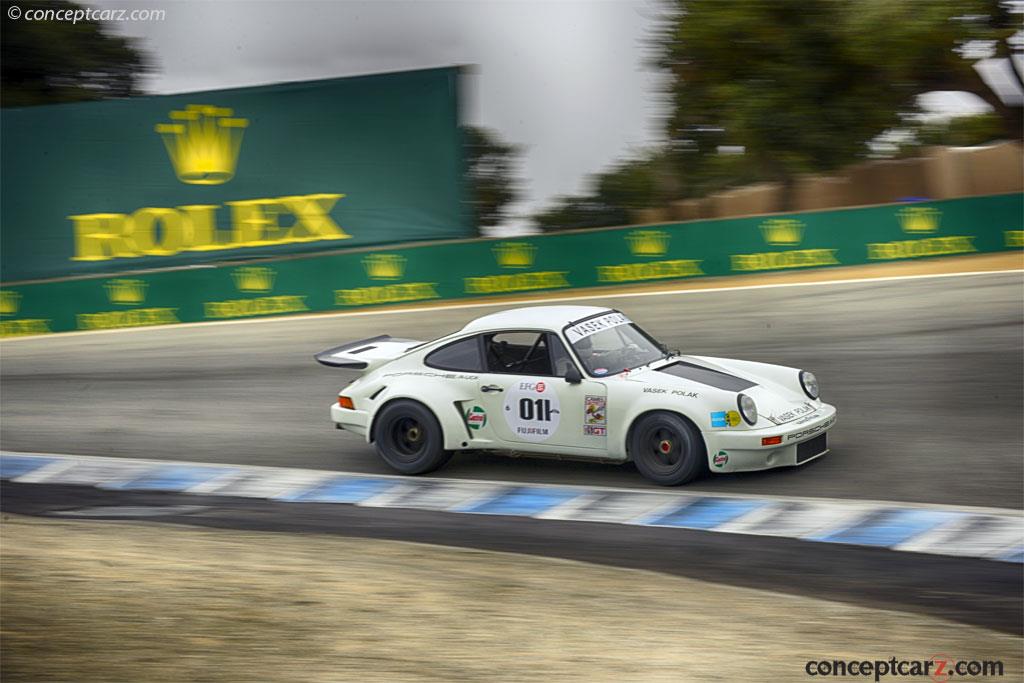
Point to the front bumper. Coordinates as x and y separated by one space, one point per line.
741 450
351 420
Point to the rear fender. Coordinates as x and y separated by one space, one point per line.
443 399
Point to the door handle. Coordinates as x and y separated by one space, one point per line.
487 388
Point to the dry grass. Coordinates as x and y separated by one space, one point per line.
103 601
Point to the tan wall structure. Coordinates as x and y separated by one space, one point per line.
940 173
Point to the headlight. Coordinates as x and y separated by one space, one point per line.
748 409
810 383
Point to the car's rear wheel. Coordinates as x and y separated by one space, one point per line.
667 449
409 438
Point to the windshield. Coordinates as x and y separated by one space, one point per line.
611 343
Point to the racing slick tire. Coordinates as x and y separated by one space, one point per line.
408 437
667 449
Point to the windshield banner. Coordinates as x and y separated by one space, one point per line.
595 325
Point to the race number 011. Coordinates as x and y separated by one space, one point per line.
535 409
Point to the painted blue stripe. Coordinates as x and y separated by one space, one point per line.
16 465
169 478
525 500
343 490
1015 555
706 513
888 527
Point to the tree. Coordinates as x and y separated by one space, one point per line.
804 85
614 196
47 62
491 174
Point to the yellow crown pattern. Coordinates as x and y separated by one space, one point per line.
384 266
126 291
648 242
782 231
916 219
514 254
253 278
203 142
9 302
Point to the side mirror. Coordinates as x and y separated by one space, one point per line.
573 376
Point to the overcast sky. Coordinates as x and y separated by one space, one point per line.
566 79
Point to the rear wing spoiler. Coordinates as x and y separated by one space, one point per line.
362 354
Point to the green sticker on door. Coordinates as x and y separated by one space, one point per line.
476 417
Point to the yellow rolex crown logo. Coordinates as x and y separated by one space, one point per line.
384 266
253 278
9 302
916 219
648 242
782 231
203 143
514 254
126 291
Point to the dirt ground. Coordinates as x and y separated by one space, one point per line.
91 601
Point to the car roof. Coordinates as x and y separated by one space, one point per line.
534 317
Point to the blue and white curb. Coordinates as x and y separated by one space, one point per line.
989 533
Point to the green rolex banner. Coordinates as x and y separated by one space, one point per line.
407 274
161 181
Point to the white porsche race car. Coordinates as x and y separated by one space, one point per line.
580 382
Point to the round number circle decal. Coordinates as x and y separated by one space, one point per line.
532 411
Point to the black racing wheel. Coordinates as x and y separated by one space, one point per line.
409 438
667 449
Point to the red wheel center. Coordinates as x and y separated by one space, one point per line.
665 446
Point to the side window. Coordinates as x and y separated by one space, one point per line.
561 361
461 355
521 353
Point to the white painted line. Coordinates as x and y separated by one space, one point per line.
758 518
391 495
518 302
480 497
803 520
429 495
271 485
45 473
569 508
218 482
971 536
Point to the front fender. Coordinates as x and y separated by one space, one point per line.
640 404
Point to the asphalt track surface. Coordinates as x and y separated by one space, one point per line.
979 592
926 373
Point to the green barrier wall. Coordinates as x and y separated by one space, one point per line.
152 182
476 268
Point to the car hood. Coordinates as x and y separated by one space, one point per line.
716 380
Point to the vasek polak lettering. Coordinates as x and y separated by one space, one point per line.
595 325
157 231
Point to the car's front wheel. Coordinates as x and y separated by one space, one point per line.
409 438
667 449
